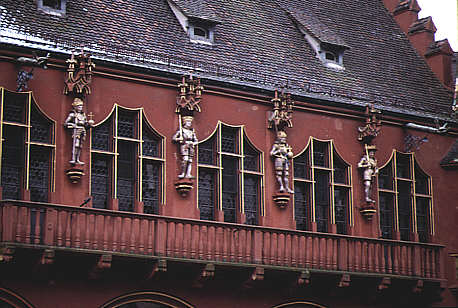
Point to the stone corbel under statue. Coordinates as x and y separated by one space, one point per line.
78 123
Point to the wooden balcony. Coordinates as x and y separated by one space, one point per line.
56 227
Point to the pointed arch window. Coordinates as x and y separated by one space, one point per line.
127 162
322 185
230 175
27 148
405 198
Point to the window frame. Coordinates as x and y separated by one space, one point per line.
31 103
52 11
242 137
310 182
394 192
113 154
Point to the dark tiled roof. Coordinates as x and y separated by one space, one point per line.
256 44
201 9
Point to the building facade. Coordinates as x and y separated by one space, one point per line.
223 154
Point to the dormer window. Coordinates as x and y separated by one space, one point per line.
52 7
198 23
200 34
322 38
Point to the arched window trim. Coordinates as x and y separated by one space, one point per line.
141 117
285 305
155 297
412 163
14 299
331 150
27 138
240 144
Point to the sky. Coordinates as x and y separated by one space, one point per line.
444 14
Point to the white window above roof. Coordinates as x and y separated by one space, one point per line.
52 7
197 21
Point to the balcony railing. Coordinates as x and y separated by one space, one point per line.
56 226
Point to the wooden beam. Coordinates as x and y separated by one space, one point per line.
344 281
6 254
255 277
159 267
207 273
385 283
103 263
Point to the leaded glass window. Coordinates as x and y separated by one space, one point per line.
12 161
405 193
322 185
100 180
230 176
27 144
127 162
301 204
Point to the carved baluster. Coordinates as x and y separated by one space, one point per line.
273 247
194 241
20 223
219 240
233 242
396 254
87 223
142 228
203 237
68 229
249 255
334 253
308 251
266 254
187 240
377 257
150 236
409 260
364 249
294 250
315 252
37 226
117 223
302 261
357 254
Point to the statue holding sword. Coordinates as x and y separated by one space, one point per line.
369 163
78 122
186 137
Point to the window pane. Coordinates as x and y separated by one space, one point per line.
151 176
228 139
385 177
39 173
251 159
126 175
386 215
127 123
422 206
320 154
54 4
340 170
151 143
230 190
405 205
421 181
403 166
207 184
102 136
41 127
14 107
12 162
251 199
302 166
207 152
341 195
301 204
100 180
322 200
